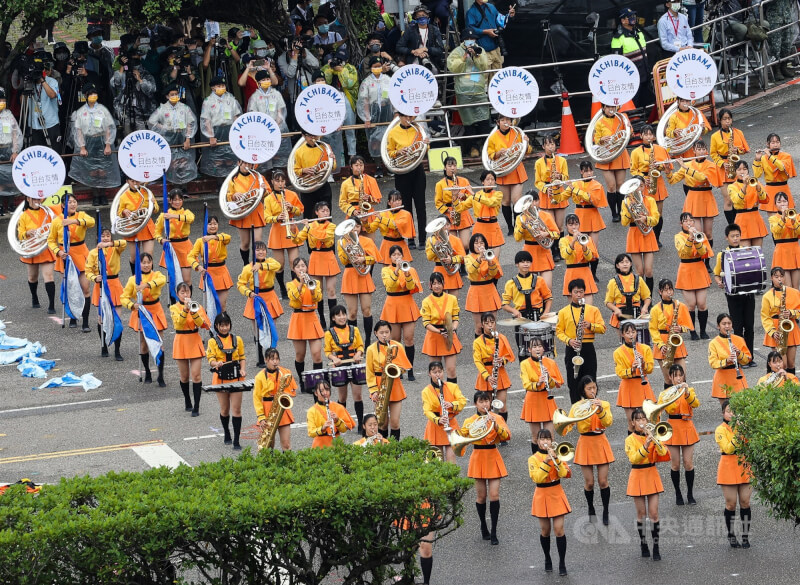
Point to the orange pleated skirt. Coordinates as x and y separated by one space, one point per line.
305 326
114 287
515 177
550 502
156 311
632 393
538 407
436 435
486 463
644 482
287 417
725 377
786 255
451 281
386 244
78 256
400 309
658 352
771 191
323 263
435 346
220 277
584 272
623 161
593 450
43 257
503 381
590 219
730 471
187 346
491 231
254 219
542 257
794 336
354 283
278 240
398 391
692 276
273 305
639 243
466 222
182 248
147 233
701 204
752 224
684 433
483 297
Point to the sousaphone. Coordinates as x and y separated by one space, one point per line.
247 202
688 136
319 172
130 226
409 158
32 245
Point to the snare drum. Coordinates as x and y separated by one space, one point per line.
312 378
546 332
358 374
745 271
354 373
642 329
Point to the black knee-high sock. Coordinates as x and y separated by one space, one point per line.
649 282
481 508
658 227
321 311
589 495
367 330
744 514
318 366
145 357
453 380
654 533
640 530
614 202
561 546
410 353
279 280
545 542
605 496
225 420
102 337
508 217
237 429
117 344
494 514
161 371
197 390
395 434
675 476
689 482
703 318
593 266
50 288
693 314
245 254
729 516
426 564
300 367
730 215
34 287
358 406
331 304
187 400
133 268
87 306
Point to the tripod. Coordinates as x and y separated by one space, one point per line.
128 105
29 104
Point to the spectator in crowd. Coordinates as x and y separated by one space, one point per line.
60 59
176 122
43 111
374 107
72 95
297 65
336 25
673 30
421 43
134 93
126 43
219 111
344 77
484 20
375 49
470 59
781 42
103 54
268 100
388 28
326 41
302 16
694 12
440 11
10 147
629 41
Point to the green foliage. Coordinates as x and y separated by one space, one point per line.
307 514
365 14
769 422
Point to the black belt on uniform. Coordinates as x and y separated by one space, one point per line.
185 331
486 220
323 250
729 454
747 210
531 243
728 367
699 188
549 484
303 310
175 240
153 302
677 416
785 241
723 156
268 399
663 331
488 363
77 243
690 260
112 277
388 239
777 183
584 206
578 265
592 433
643 466
398 294
482 282
263 290
215 264
476 447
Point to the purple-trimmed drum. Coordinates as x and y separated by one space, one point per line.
745 271
312 378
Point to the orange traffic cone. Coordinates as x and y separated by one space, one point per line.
570 143
596 105
627 106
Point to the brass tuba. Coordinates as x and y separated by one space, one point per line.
510 159
605 153
632 189
32 245
247 202
440 244
688 136
348 239
563 423
130 226
391 372
532 222
282 401
409 158
319 172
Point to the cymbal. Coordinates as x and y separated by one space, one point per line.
513 321
549 318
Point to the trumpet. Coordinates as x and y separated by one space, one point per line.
487 255
405 267
698 237
753 182
789 214
582 239
310 283
194 306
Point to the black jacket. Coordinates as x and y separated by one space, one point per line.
411 40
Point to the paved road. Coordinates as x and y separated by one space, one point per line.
123 425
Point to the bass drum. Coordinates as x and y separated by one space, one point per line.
745 271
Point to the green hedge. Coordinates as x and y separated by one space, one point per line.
308 514
769 420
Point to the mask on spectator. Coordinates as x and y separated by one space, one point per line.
261 53
381 26
323 29
265 84
160 49
97 40
469 42
675 6
61 56
2 105
424 20
174 99
219 90
92 99
376 71
375 48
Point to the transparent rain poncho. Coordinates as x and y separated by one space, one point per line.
94 127
216 119
176 123
271 102
373 97
10 142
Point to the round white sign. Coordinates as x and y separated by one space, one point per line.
144 155
691 74
513 92
38 172
614 80
413 90
320 109
254 137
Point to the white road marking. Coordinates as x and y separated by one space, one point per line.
56 405
159 455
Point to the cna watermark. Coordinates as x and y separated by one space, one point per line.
677 531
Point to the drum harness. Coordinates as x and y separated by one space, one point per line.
347 352
230 369
527 311
629 308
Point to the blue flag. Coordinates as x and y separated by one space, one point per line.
149 330
211 301
110 322
71 291
267 332
170 257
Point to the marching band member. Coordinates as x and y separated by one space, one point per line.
243 185
225 348
114 249
664 322
376 360
436 396
567 330
491 351
134 198
627 295
684 434
550 503
641 158
776 374
350 196
304 294
778 304
188 318
682 119
217 256
644 481
327 420
733 477
483 274
400 308
613 172
33 218
176 122
358 288
11 143
693 280
593 449
344 342
267 386
434 311
578 257
741 307
542 257
640 245
447 196
632 363
699 177
721 142
746 198
451 281
785 231
588 196
411 184
180 225
486 465
777 168
727 353
78 222
282 205
370 432
552 168
525 295
266 267
322 262
307 157
150 286
217 115
510 184
396 227
539 375
485 204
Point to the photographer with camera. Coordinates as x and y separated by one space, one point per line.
469 57
297 65
10 147
421 43
327 41
344 77
42 108
179 70
76 77
375 48
253 65
134 92
104 55
486 22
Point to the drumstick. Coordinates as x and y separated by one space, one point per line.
348 361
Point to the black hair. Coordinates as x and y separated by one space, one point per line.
572 218
549 138
395 248
742 163
485 174
338 309
620 258
486 316
685 215
394 194
637 413
261 245
320 204
586 165
646 128
584 382
281 175
298 260
677 368
176 192
435 364
534 194
724 111
773 355
544 434
771 136
221 319
725 404
576 283
324 384
213 218
367 417
183 285
144 255
732 227
522 256
701 144
473 239
722 316
625 326
777 270
436 277
664 283
781 195
481 395
271 353
447 161
379 324
356 158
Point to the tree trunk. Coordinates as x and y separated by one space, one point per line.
267 16
344 12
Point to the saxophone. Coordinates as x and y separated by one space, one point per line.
785 326
653 174
733 158
280 402
577 360
674 340
364 200
391 372
496 361
455 198
553 179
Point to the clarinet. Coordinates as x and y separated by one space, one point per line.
637 356
735 357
